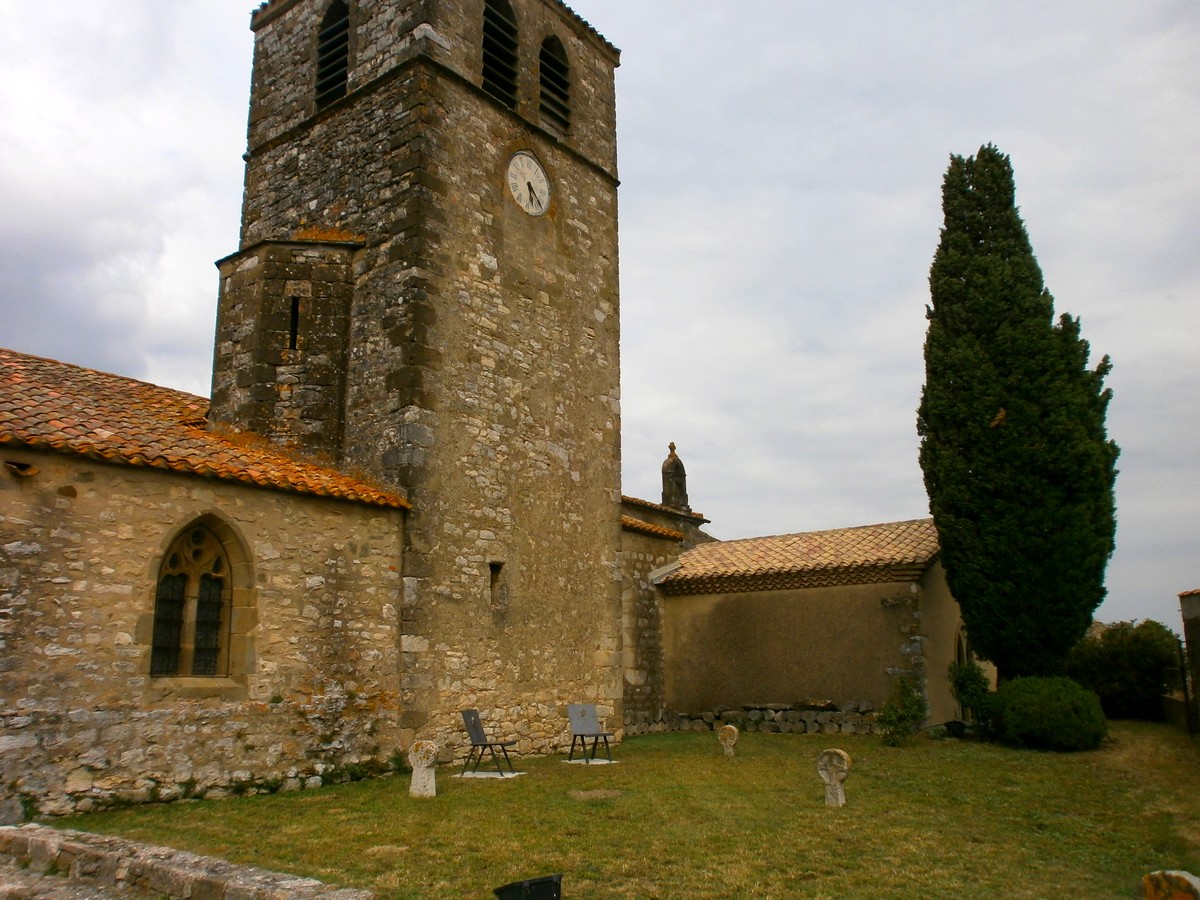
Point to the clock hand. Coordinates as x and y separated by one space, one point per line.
533 194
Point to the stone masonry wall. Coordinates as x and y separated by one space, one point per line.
313 668
387 34
484 343
279 365
662 533
641 630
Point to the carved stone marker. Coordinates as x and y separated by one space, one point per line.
421 756
1169 886
833 767
727 735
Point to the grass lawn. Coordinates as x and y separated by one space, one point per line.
675 818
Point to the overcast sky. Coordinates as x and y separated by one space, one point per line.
781 165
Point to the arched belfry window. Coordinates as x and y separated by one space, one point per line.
500 52
554 75
192 607
333 54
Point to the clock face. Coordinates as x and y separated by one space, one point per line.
528 183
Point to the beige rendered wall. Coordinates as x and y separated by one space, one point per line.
941 623
314 655
841 643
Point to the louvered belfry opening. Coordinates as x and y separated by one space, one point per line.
500 52
333 54
555 76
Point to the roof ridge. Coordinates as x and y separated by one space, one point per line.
798 534
114 375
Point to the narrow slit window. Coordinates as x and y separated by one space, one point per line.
500 52
294 325
333 54
554 74
496 582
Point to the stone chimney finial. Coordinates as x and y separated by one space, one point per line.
674 481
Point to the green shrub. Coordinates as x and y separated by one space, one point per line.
1129 666
903 712
1048 714
973 690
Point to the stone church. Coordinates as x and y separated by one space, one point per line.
403 497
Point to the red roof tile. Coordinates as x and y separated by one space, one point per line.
629 523
49 405
634 501
893 551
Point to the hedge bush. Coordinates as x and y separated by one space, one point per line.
903 712
1129 667
971 687
1048 714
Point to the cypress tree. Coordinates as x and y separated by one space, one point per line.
1014 449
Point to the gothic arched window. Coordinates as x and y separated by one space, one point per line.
192 607
333 54
500 52
554 74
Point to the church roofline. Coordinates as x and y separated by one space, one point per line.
682 513
46 405
866 554
629 523
310 238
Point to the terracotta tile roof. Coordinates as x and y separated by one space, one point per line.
49 405
629 523
634 501
893 551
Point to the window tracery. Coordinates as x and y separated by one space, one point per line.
191 607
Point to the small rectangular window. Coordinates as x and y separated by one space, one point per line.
497 583
294 325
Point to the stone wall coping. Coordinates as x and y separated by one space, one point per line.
104 860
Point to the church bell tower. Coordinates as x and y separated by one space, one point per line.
426 291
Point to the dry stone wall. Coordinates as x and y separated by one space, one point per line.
93 865
818 717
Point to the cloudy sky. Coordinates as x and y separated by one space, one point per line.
781 166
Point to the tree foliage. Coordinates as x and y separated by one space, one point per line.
1128 666
903 712
1014 450
970 686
